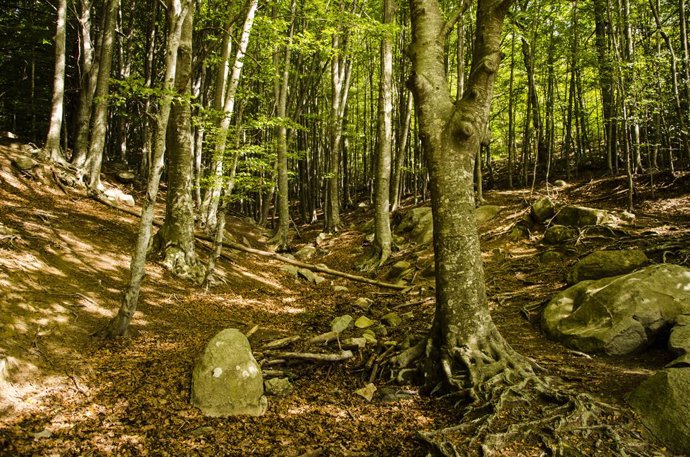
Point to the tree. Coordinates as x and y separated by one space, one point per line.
465 353
175 239
52 146
119 325
382 226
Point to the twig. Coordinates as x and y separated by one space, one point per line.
281 343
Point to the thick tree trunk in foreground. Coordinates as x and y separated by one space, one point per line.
119 325
464 339
52 146
175 239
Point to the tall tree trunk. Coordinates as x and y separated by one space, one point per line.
382 227
212 197
175 239
403 140
100 113
332 223
87 86
606 81
52 145
281 236
119 325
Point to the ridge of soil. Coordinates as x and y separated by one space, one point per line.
66 393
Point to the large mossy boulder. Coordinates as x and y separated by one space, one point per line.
580 216
227 379
417 223
663 404
542 210
622 314
603 264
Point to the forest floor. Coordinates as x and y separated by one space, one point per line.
64 261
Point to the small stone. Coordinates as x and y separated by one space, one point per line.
485 213
307 274
559 234
24 163
278 387
126 199
320 238
392 319
363 303
340 289
318 279
370 336
201 431
628 217
551 257
367 392
518 232
356 342
581 216
560 183
45 433
306 253
125 177
364 322
341 323
290 269
399 269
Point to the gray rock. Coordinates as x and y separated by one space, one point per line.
24 163
307 274
679 340
559 234
551 257
603 264
125 177
278 387
622 314
663 406
418 225
363 303
399 269
290 269
580 216
392 319
485 213
543 210
306 253
227 380
560 183
341 323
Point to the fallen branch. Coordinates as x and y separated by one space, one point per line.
207 240
344 355
281 343
324 338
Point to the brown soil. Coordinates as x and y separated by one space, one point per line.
68 393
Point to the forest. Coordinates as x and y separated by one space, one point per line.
352 227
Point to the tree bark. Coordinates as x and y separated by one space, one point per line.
175 239
382 227
119 325
52 145
100 113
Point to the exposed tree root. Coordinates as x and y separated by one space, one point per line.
508 404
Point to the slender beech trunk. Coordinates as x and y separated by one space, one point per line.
212 197
100 112
119 325
87 85
606 82
396 186
382 227
281 236
52 145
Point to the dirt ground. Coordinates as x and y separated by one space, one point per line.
64 260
